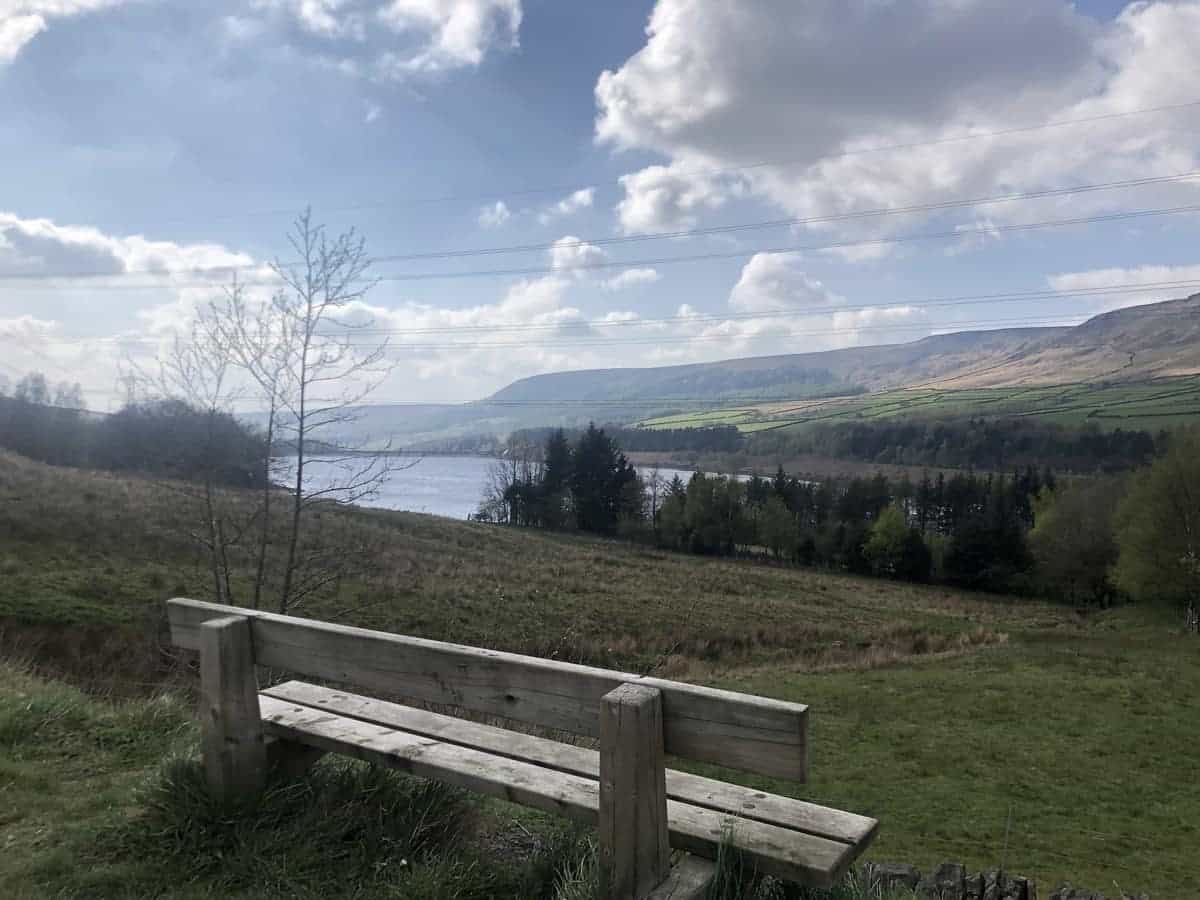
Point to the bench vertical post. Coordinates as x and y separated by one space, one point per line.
635 853
235 755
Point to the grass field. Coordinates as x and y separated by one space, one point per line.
976 728
1161 403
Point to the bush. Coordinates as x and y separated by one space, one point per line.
1158 528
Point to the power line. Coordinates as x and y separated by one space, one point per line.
936 302
492 194
790 222
698 257
1041 321
880 212
968 300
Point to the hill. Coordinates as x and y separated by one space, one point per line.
1135 343
972 726
968 373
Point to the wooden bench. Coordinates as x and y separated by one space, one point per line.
641 808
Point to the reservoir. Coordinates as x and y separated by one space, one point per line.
442 485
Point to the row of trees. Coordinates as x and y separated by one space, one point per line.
164 437
991 444
711 439
967 530
588 485
1085 541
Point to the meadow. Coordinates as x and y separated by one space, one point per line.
1150 405
977 728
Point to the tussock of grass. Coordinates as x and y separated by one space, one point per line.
734 879
342 829
90 811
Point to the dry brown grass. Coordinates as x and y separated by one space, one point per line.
87 561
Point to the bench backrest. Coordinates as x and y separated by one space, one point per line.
755 734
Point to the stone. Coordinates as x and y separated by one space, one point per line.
891 876
993 884
1024 888
1012 888
973 887
948 880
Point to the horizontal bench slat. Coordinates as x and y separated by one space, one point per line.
689 880
786 854
740 731
786 812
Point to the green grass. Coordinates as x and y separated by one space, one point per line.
1155 404
93 810
1064 757
976 728
107 800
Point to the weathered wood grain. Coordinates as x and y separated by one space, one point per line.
740 731
688 880
235 757
635 852
786 854
786 812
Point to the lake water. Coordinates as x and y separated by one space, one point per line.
443 485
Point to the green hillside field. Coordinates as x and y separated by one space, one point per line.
976 728
1150 405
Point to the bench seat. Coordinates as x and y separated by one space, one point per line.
781 836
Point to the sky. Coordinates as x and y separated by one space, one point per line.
668 182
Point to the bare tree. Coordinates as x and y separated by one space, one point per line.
306 366
655 484
511 481
258 340
324 376
196 371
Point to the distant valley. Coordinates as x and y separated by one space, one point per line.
973 372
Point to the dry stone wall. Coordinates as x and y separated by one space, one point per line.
952 881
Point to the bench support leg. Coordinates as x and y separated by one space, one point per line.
689 880
635 854
290 759
235 756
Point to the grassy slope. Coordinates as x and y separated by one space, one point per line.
937 711
1162 403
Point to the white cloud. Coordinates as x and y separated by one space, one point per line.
393 40
1101 279
631 278
781 309
442 353
1157 282
373 113
23 20
667 198
327 18
44 249
15 33
457 33
68 269
572 203
575 254
773 282
495 215
792 95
